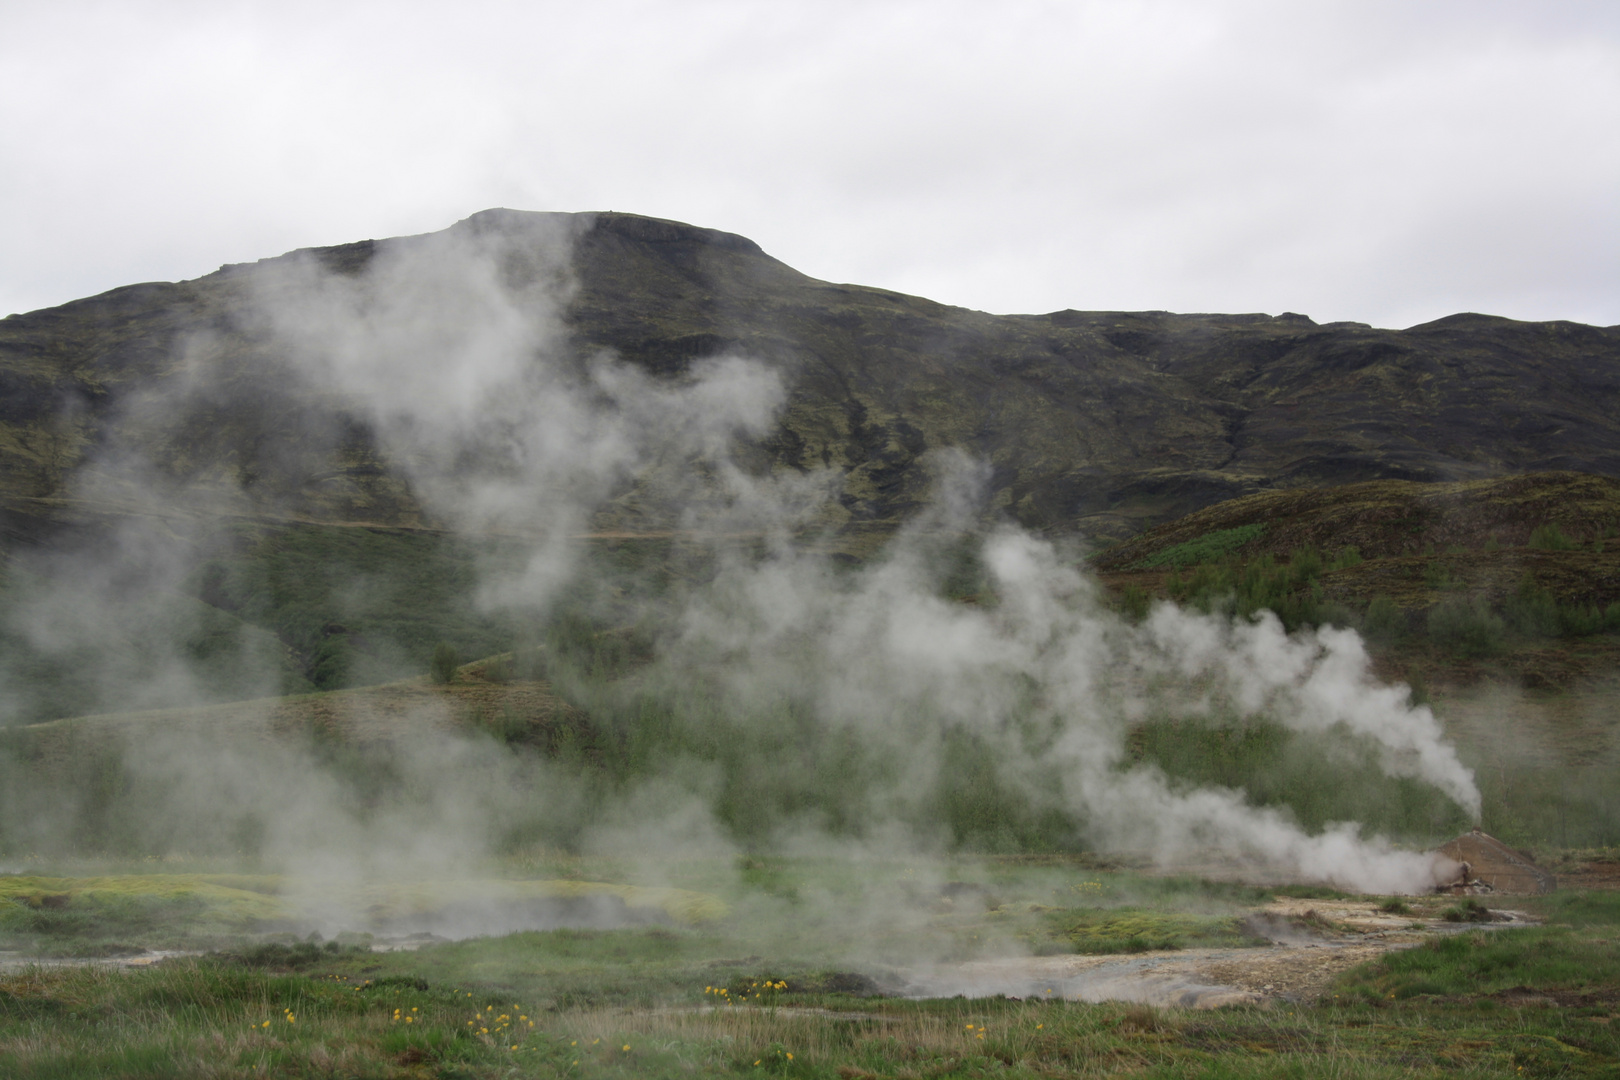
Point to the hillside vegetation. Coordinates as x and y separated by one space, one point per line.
1541 550
1387 519
587 692
1497 601
1335 474
1099 423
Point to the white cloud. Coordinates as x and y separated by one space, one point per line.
1382 162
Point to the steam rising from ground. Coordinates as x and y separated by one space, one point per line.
454 345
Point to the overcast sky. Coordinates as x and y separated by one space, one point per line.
1382 162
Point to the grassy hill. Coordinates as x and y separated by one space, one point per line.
1385 519
1093 422
234 508
1498 601
190 516
1452 573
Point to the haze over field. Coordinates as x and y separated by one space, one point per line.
451 348
1063 537
302 473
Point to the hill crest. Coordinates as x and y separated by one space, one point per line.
1095 423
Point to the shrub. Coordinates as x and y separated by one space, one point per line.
445 661
1467 911
1467 626
1532 610
1330 613
1579 620
509 726
1550 537
1206 548
1176 586
1305 564
332 662
1384 622
1437 575
1134 603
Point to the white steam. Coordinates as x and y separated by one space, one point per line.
453 341
455 348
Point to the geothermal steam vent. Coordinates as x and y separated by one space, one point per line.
1497 866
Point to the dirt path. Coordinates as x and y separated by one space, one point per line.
1317 940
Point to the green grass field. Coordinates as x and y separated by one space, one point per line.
769 986
756 963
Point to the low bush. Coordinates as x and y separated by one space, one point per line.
1467 626
1134 603
1204 549
1471 911
1384 622
444 663
1550 537
1532 610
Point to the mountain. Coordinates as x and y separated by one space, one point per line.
320 470
1094 423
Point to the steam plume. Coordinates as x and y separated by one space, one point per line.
1047 677
455 348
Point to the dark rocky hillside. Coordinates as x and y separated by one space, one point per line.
1095 422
